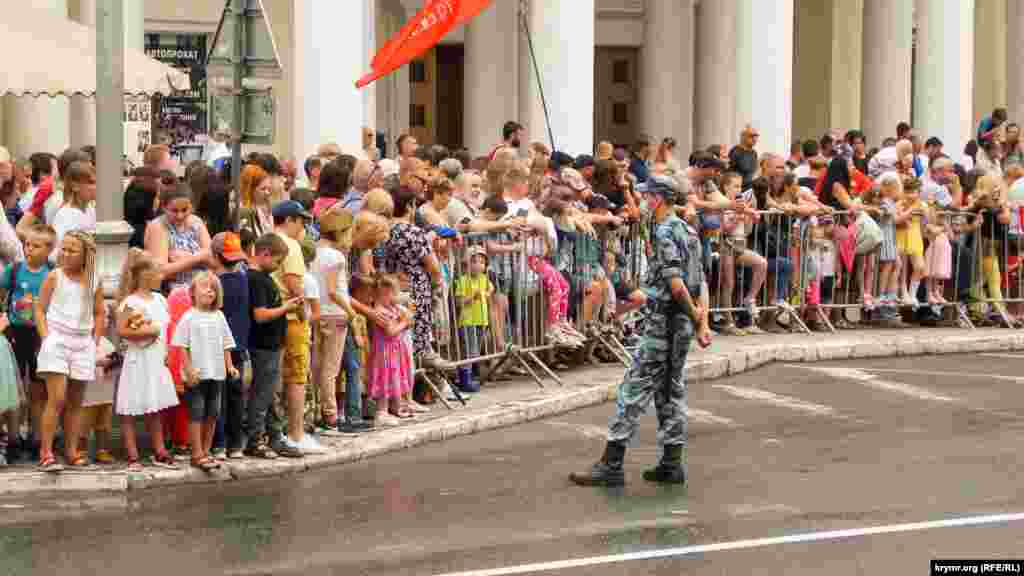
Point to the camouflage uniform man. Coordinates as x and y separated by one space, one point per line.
678 313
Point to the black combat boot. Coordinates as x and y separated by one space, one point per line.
670 469
608 471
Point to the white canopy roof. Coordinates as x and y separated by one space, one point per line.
44 54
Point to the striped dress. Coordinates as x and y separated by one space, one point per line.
887 223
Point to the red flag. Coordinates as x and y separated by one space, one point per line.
421 33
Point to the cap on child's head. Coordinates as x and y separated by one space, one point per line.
228 246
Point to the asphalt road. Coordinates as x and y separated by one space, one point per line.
896 452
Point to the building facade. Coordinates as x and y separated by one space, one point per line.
697 70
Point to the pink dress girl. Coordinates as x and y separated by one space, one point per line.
390 369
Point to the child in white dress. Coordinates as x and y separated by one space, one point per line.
145 386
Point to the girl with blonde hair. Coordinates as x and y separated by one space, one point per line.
145 386
70 317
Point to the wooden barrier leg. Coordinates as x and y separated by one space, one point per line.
545 368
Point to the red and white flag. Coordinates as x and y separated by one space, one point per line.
421 33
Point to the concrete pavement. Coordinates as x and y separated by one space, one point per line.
510 403
891 454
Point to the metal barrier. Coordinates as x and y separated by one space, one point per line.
752 265
975 255
813 269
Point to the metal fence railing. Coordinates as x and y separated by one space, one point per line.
822 271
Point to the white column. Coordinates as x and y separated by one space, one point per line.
490 91
369 49
990 70
715 98
667 70
563 40
38 124
83 109
764 71
944 71
1014 48
888 37
402 87
327 59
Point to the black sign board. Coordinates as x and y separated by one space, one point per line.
181 119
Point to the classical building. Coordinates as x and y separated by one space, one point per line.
697 70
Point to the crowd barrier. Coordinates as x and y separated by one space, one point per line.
815 269
810 268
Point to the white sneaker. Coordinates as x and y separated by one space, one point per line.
309 445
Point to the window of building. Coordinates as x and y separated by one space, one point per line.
620 113
418 71
417 116
620 72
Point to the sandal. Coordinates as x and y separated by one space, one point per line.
163 460
79 461
49 464
403 414
206 464
134 465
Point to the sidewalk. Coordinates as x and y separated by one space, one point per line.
508 403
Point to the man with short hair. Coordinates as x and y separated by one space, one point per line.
809 150
512 135
360 186
743 156
641 155
290 220
328 151
932 149
678 312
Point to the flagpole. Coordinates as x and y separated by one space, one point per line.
536 69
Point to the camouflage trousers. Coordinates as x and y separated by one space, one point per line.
656 372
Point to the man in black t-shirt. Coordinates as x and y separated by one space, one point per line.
743 157
266 337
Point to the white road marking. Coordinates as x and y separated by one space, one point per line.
873 381
1012 356
585 430
961 374
705 417
742 545
779 400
